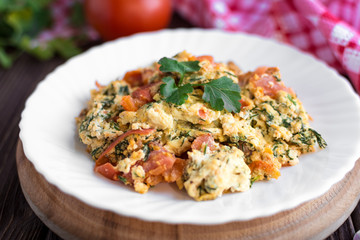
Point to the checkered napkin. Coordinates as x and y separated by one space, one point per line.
326 28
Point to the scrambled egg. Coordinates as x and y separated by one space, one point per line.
139 138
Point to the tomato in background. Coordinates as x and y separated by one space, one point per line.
117 18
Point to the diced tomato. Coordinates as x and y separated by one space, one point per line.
158 162
143 94
152 180
266 167
134 78
128 103
205 57
100 160
128 176
202 113
269 84
261 70
243 103
140 96
202 141
98 85
108 171
147 74
176 171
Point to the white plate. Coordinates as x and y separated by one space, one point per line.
51 143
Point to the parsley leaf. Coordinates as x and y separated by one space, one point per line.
173 93
171 65
220 93
223 93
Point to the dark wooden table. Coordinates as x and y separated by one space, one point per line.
17 220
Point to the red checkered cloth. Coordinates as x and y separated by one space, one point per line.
325 28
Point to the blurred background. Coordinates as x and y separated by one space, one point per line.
328 29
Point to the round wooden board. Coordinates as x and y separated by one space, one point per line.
70 218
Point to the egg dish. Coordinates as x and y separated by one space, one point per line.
207 126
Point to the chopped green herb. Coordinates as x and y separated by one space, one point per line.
146 151
96 151
122 179
107 102
286 122
291 99
231 74
115 126
195 79
124 90
319 139
288 154
274 150
120 148
85 124
253 179
277 78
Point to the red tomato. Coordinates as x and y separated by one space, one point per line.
116 18
108 171
208 139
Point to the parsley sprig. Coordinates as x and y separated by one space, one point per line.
220 93
173 93
171 65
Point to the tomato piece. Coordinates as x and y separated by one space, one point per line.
101 158
173 174
158 162
116 18
152 180
202 113
143 94
129 103
269 84
261 70
98 85
266 167
139 97
134 78
244 103
205 57
108 171
204 140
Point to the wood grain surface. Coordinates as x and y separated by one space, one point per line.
73 219
17 219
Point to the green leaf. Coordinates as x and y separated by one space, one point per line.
5 59
223 93
65 47
169 87
43 52
173 93
172 65
77 16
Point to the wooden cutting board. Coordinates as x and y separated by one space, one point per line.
70 218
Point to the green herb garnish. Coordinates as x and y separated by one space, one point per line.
223 93
171 65
173 93
220 93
